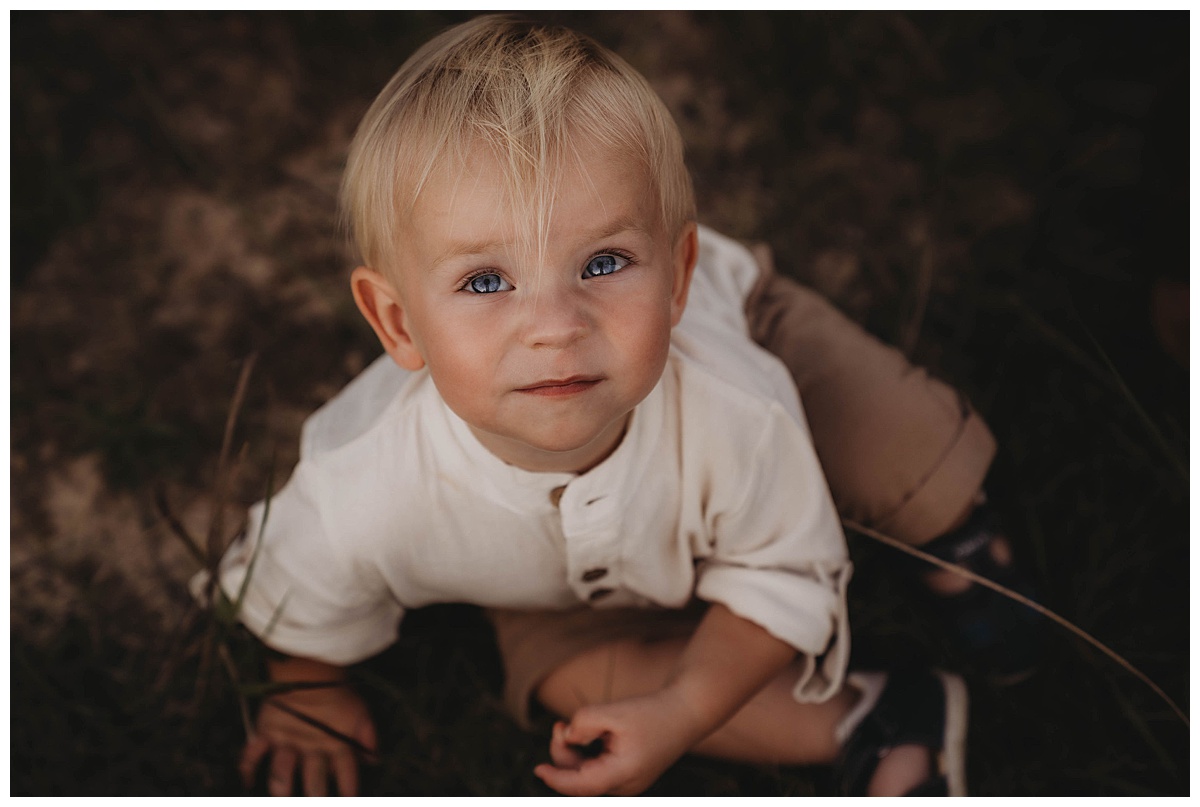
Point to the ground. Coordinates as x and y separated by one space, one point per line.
1002 196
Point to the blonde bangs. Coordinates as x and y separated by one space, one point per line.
528 94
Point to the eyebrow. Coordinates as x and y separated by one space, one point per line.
623 224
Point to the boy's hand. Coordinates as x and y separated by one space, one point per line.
727 661
296 746
619 748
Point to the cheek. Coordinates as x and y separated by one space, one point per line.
462 354
447 336
458 356
644 332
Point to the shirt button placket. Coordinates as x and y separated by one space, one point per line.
592 575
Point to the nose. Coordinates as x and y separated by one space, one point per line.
555 316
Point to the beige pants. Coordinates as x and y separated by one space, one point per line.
902 452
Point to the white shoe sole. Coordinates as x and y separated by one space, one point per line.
954 745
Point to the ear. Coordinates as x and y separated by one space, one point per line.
687 250
381 305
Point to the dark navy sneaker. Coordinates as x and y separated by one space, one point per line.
1001 637
908 707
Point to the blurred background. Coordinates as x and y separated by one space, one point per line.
1002 196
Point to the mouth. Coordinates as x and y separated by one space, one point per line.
561 387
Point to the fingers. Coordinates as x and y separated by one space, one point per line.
312 742
591 778
345 773
318 762
588 733
345 764
316 774
586 725
315 770
561 752
574 772
256 748
365 734
283 769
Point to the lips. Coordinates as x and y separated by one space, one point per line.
558 387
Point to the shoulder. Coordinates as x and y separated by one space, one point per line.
719 408
748 464
726 263
722 357
354 410
359 483
725 274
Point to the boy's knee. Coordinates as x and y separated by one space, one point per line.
621 668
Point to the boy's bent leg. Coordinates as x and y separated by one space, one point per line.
569 659
772 728
902 452
532 644
907 455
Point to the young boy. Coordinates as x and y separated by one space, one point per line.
589 444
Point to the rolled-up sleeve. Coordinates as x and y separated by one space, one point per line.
301 592
778 555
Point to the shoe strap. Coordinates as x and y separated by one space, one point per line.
910 711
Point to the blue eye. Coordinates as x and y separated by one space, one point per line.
604 265
488 283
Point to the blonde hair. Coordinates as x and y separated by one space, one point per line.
525 91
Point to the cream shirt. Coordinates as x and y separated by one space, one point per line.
714 492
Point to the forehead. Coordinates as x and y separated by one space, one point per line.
482 201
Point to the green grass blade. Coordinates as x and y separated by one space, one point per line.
224 478
176 527
237 603
275 616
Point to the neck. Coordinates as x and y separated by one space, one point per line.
576 461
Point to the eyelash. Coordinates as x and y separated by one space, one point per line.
466 283
620 253
629 259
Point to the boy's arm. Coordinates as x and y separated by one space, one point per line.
726 662
292 742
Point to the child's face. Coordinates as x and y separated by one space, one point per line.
544 356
